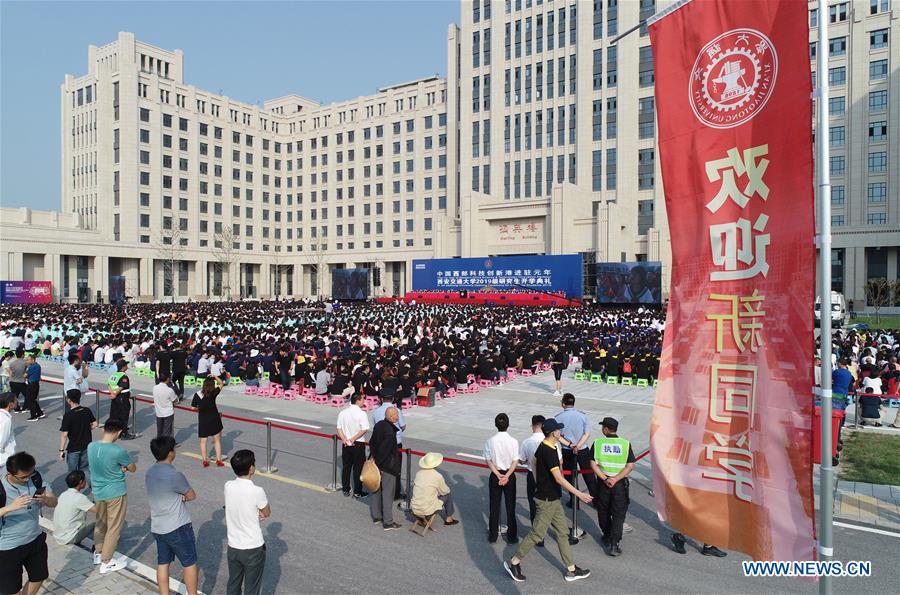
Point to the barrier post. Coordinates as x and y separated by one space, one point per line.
333 486
269 467
405 504
134 431
97 415
573 535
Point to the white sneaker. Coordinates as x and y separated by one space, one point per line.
112 566
97 558
556 393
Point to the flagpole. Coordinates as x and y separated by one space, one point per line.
826 469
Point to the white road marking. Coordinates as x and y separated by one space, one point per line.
293 423
588 398
468 456
866 529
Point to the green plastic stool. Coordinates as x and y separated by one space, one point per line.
612 380
655 382
642 382
190 381
598 378
628 381
265 375
580 376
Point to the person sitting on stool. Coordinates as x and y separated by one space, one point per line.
613 462
430 491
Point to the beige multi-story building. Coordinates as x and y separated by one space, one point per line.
542 140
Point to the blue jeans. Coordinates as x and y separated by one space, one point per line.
180 543
77 460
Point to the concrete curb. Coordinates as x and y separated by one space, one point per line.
138 568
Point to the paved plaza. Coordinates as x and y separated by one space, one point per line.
318 541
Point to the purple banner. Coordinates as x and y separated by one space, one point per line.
26 292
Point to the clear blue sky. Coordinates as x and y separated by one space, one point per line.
324 50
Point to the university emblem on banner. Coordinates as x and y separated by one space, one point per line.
733 78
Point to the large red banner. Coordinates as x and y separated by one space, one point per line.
731 428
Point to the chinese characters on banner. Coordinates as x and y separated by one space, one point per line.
731 429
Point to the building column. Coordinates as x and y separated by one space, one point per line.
145 278
53 272
101 278
201 278
266 283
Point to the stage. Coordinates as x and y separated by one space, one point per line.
483 298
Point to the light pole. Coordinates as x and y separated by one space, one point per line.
826 469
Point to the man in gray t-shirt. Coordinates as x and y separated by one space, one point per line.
168 490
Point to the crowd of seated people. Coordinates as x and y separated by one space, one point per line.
382 348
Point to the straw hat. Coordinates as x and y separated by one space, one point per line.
431 460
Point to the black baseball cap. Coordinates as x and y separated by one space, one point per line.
611 423
551 425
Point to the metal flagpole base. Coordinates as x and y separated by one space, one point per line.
333 487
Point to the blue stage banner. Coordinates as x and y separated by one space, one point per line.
549 274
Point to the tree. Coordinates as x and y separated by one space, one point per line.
880 293
319 264
225 256
277 267
169 249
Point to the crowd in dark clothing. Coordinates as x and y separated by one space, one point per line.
388 350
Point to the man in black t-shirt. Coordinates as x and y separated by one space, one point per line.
120 407
179 368
163 361
76 432
549 482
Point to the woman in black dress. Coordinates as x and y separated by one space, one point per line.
209 420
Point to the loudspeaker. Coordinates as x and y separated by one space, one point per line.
99 298
376 277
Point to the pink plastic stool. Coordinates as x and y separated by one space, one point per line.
250 390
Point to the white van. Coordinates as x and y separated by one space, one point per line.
838 309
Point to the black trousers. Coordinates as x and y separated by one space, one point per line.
31 399
18 388
508 492
582 461
178 383
352 458
120 409
165 426
530 489
245 570
612 505
285 377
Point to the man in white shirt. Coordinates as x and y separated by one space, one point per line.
245 506
99 354
352 425
163 398
501 453
75 375
8 402
203 367
526 454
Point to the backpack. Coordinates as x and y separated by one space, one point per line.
36 479
627 367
